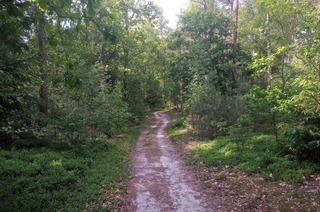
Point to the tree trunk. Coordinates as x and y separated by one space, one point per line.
266 36
234 5
102 53
43 60
102 64
235 28
102 48
274 124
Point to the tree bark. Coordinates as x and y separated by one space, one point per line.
234 4
266 36
235 28
43 60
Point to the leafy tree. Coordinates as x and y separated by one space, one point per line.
279 37
204 70
86 53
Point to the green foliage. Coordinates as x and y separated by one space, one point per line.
289 170
85 46
153 97
260 104
178 130
69 179
206 71
112 114
104 113
256 154
249 152
178 123
211 113
135 97
180 79
205 37
301 142
16 77
306 100
109 61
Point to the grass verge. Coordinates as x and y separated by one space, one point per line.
250 153
69 179
255 154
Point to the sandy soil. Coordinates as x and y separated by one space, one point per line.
160 179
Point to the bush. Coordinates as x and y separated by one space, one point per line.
135 97
153 92
301 143
30 179
212 113
289 170
178 123
44 179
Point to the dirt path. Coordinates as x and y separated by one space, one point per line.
160 180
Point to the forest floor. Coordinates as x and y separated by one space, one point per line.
240 191
167 178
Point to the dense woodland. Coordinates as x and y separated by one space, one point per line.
75 72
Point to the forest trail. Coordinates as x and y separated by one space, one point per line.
160 180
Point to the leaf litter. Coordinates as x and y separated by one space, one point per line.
239 191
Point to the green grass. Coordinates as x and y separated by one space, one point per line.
74 179
178 129
254 154
250 153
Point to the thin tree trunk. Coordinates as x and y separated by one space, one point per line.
126 54
102 64
102 53
234 4
165 75
266 35
235 28
283 78
274 123
43 59
204 5
269 73
125 74
102 48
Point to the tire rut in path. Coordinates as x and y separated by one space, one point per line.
160 180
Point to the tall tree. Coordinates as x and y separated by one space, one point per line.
43 60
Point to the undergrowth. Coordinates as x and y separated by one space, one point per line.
252 153
69 179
